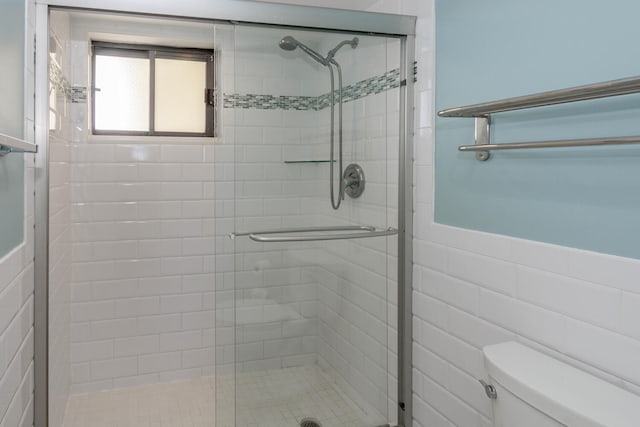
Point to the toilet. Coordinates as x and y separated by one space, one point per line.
535 390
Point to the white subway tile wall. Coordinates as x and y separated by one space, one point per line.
141 252
143 245
269 321
60 252
266 299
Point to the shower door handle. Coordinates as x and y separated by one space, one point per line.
304 230
365 232
310 238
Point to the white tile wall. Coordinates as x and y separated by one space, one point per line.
16 282
142 267
275 318
60 231
140 274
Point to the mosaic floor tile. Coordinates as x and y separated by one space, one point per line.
272 398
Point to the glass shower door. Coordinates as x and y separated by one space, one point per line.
305 318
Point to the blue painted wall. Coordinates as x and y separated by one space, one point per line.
585 198
12 41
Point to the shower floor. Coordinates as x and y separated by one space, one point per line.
283 397
177 404
272 398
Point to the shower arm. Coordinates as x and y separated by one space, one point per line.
353 43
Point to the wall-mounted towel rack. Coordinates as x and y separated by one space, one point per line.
482 115
9 144
295 234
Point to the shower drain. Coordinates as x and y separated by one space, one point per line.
310 422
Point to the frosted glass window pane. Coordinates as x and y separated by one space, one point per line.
122 98
179 95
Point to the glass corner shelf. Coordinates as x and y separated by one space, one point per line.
308 161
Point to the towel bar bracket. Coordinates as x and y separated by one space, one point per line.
483 136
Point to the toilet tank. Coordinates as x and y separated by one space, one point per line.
534 389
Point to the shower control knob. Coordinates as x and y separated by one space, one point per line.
351 182
353 179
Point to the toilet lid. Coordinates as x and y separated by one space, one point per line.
571 396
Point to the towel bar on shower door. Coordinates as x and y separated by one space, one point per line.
365 231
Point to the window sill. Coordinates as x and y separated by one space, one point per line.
144 139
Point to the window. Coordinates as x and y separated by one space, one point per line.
152 90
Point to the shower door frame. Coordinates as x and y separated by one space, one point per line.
315 18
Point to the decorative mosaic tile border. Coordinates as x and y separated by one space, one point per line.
270 102
370 86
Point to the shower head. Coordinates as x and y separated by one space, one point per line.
289 43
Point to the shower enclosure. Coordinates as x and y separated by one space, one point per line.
257 278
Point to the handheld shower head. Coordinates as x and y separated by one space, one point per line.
289 43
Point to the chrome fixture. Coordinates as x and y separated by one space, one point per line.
561 96
364 232
353 43
290 43
588 142
482 114
353 179
9 144
304 229
310 422
308 161
489 390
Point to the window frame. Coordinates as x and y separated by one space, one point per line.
152 52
